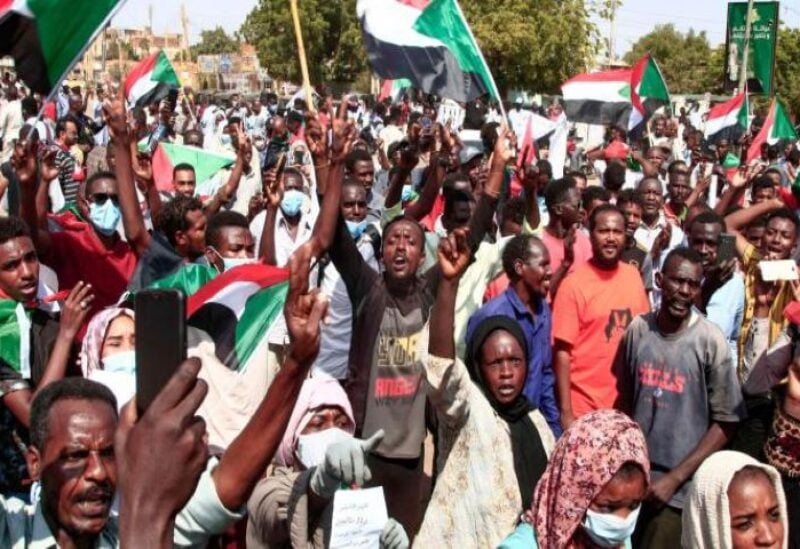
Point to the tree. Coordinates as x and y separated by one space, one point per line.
525 43
688 62
533 45
214 42
331 36
787 68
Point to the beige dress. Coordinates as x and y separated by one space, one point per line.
476 501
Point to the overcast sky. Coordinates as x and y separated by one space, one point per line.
635 17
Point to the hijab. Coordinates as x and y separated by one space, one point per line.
530 458
95 336
319 391
706 515
585 459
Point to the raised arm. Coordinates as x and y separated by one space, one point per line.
228 190
121 138
248 456
143 170
737 221
734 191
33 183
274 197
430 191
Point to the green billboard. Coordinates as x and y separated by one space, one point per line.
761 55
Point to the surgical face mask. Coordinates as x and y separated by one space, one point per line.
273 108
225 138
311 448
292 202
608 530
356 228
124 363
105 217
229 263
408 194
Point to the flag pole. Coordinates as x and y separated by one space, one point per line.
494 90
92 38
301 52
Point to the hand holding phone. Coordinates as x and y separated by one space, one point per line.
160 341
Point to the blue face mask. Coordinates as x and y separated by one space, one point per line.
105 217
408 194
608 530
229 263
225 138
356 228
292 202
124 363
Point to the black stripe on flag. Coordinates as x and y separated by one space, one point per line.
19 38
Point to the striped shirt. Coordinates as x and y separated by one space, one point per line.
69 187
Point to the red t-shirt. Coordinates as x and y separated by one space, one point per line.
555 245
592 309
429 221
77 255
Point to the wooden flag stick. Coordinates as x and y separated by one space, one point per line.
301 52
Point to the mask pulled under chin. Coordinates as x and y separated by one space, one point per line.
607 529
311 448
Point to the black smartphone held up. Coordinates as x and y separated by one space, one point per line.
280 164
727 248
160 341
299 157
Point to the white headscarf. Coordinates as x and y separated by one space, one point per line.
706 516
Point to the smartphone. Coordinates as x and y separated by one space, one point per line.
727 248
779 269
299 157
160 341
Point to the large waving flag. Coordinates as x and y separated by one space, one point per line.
428 42
648 91
728 120
237 308
150 80
47 37
777 126
168 155
599 98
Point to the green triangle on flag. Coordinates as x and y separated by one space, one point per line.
625 92
188 278
782 127
205 163
444 21
652 84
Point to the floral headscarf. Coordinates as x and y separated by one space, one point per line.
585 459
95 335
318 391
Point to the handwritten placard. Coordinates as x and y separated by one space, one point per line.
358 519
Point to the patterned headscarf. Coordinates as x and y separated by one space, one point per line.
95 335
585 459
318 391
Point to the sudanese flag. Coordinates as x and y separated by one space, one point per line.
150 80
428 42
47 37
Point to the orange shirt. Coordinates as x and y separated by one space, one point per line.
591 311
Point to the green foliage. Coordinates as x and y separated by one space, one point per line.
533 45
524 41
331 36
787 68
688 62
214 42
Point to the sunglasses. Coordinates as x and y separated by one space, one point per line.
101 198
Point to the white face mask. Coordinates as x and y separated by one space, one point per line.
607 529
311 448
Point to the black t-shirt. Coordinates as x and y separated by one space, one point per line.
13 435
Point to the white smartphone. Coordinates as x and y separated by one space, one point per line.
781 269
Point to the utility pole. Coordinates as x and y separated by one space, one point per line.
185 28
612 30
150 18
745 54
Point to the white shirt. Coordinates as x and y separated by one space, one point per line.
337 330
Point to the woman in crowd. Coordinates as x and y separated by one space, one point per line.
735 502
293 505
108 353
492 447
591 493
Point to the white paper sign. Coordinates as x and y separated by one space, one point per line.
358 519
782 269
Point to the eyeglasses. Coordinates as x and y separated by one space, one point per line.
101 198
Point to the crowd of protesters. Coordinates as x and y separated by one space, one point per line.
519 360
